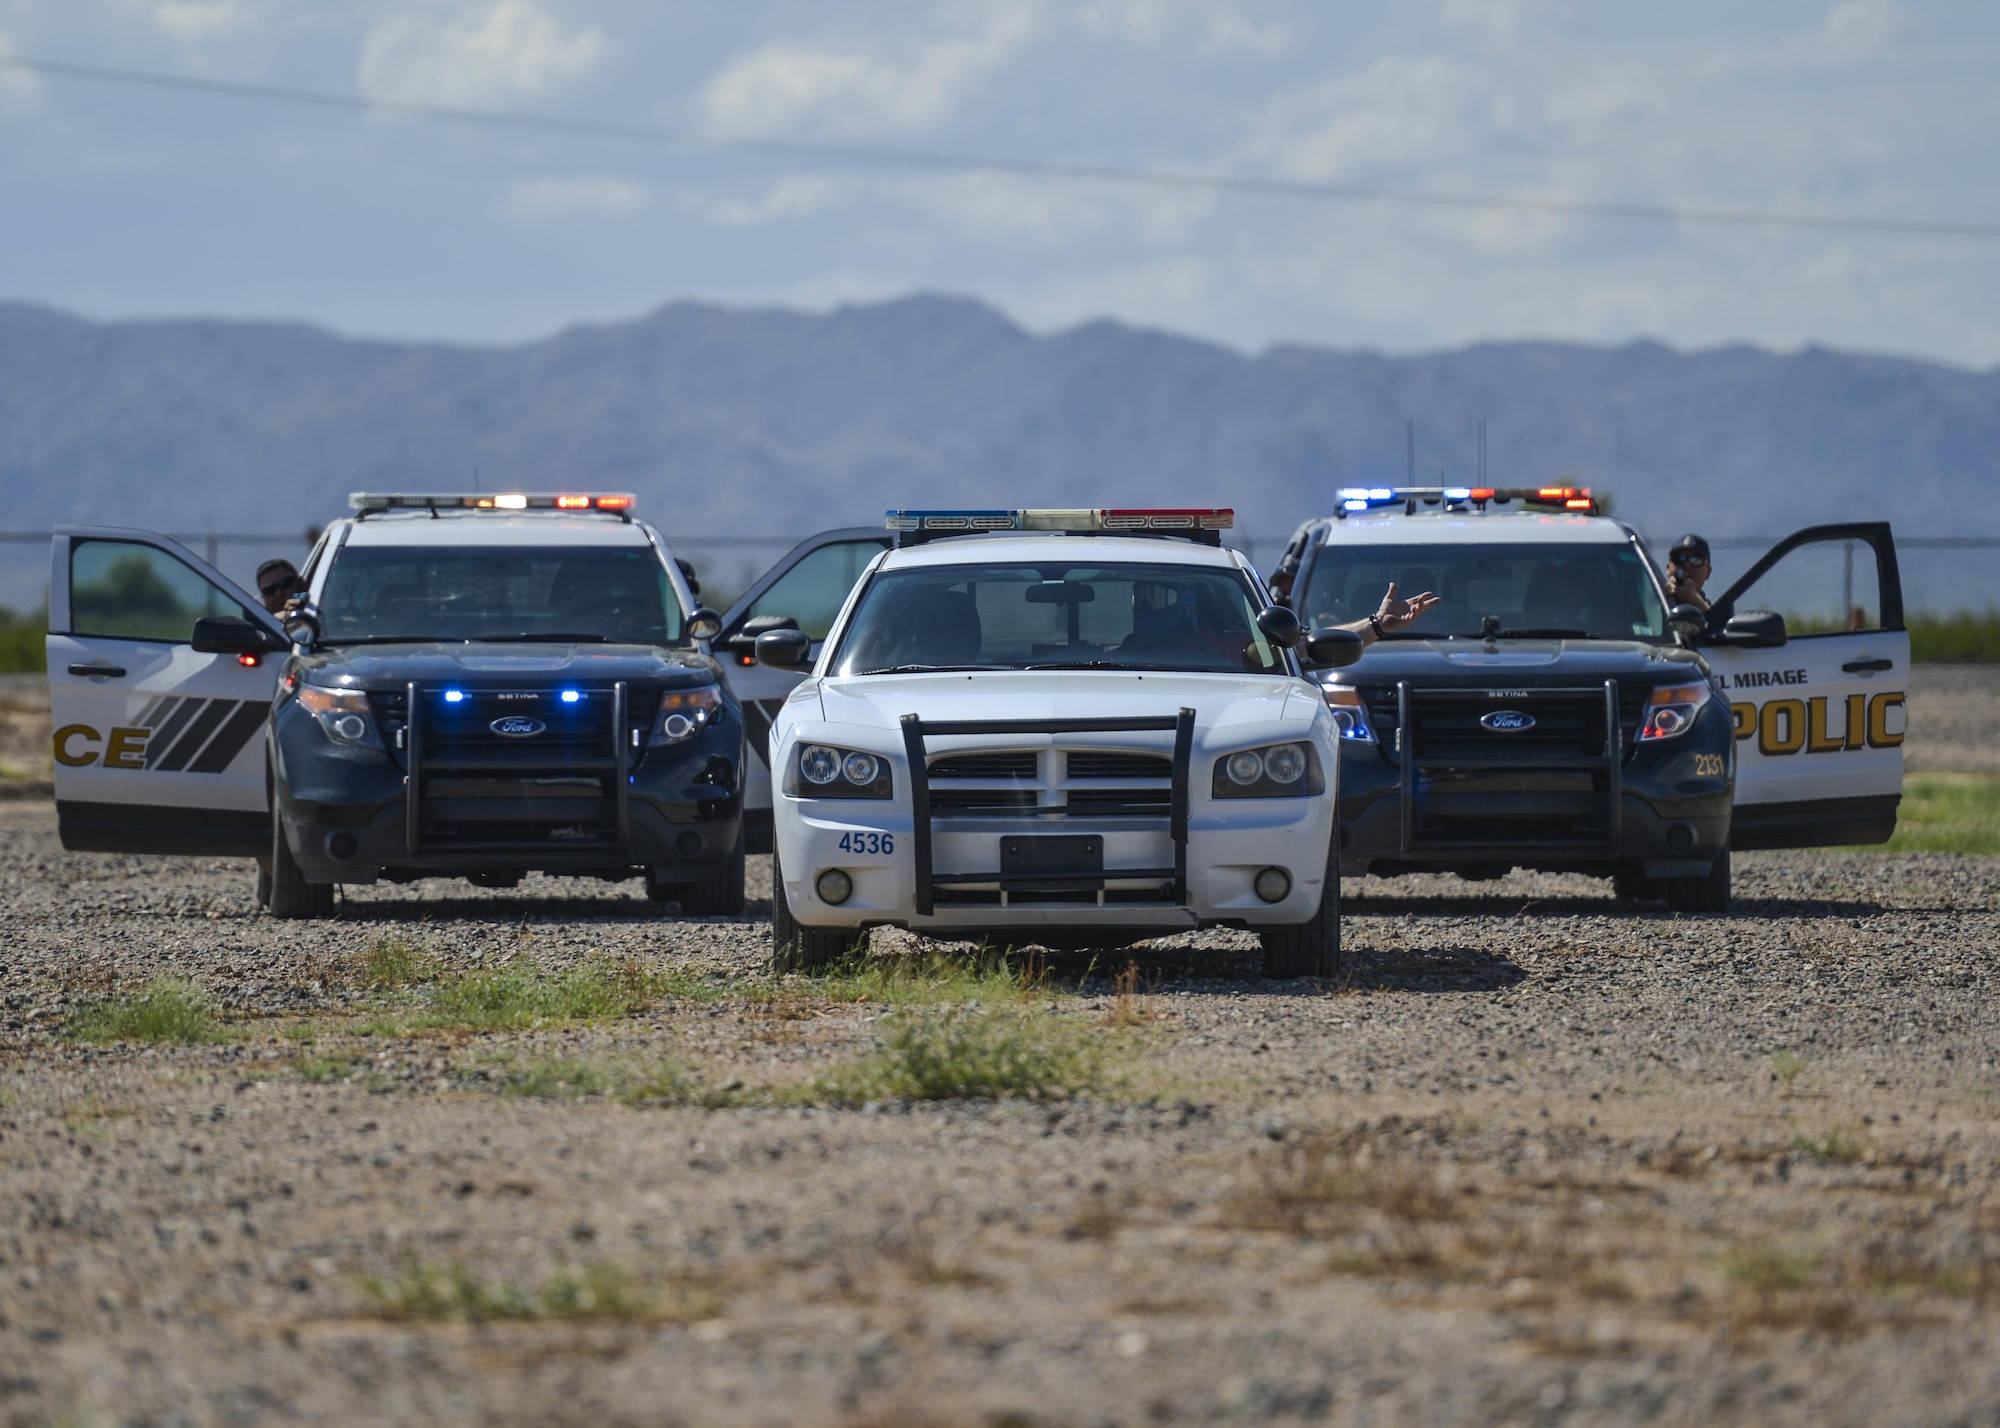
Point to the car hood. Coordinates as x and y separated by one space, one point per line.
1517 664
500 665
1222 702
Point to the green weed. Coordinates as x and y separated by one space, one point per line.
166 1011
1766 1268
519 996
451 1292
1948 813
1787 1065
962 1053
1836 1147
933 978
558 1079
393 962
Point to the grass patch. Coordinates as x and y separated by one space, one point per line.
1962 635
966 1053
930 978
395 962
1948 813
163 1012
23 641
558 1079
519 996
451 1292
1786 1066
1836 1147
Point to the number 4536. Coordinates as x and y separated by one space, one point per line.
878 843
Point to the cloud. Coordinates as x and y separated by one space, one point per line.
782 85
1859 27
559 200
20 91
795 196
483 55
192 19
1148 23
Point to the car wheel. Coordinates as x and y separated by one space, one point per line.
291 896
796 947
1708 892
1629 883
1309 949
263 882
719 896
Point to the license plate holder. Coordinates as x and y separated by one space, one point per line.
1040 856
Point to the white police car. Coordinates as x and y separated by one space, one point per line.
1070 726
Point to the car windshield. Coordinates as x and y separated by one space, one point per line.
1057 615
1604 591
614 594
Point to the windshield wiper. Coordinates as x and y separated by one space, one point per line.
555 639
1538 635
1090 664
929 668
394 640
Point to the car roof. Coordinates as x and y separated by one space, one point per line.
492 528
1106 550
1523 528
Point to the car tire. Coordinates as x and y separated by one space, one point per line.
719 896
1707 892
1629 883
291 896
796 947
1309 949
263 882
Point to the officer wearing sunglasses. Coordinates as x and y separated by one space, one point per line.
277 583
1688 571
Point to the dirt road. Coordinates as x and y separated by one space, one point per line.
1538 1161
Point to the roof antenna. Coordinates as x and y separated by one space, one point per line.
1411 436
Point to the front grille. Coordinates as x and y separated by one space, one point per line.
1101 763
555 833
966 802
1445 726
1015 763
1121 802
463 732
1383 715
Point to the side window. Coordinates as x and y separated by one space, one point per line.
1826 587
813 591
135 592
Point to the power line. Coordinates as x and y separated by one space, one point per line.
941 160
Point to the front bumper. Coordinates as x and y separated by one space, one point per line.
346 811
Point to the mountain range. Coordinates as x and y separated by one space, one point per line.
771 422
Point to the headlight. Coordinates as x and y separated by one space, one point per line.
1671 710
1276 771
686 712
1350 713
343 713
822 771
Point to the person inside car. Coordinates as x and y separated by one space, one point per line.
277 584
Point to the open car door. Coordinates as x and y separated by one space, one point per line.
804 591
1819 716
158 748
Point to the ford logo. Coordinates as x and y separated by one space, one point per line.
1507 721
516 726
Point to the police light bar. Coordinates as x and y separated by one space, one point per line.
367 501
1356 500
1203 523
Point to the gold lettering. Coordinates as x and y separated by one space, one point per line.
68 757
1879 736
1816 740
1745 717
126 749
1792 712
1857 719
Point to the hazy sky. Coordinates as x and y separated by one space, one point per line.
119 201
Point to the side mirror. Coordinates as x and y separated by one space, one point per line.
1755 630
231 634
704 624
1333 649
302 626
1280 626
1686 622
744 640
785 649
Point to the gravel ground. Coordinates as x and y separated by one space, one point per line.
1954 714
1538 1160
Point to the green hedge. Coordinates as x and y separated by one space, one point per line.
1969 635
21 641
